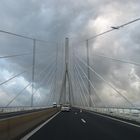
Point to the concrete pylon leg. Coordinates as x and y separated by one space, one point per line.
65 95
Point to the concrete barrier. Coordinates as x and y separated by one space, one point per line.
15 127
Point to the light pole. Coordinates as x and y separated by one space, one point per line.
88 71
33 71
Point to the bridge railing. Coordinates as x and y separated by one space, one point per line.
21 108
124 113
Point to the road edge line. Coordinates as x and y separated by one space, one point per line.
27 136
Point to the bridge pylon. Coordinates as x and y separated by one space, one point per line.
66 89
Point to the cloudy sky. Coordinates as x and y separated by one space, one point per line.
53 20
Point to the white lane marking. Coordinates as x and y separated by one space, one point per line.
75 113
26 137
83 120
117 120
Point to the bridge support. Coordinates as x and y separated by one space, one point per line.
66 84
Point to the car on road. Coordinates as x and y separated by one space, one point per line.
65 108
54 104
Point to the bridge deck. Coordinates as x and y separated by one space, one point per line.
74 125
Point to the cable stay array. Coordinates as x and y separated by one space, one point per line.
108 83
118 60
61 75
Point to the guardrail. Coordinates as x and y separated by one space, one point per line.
125 113
16 127
21 108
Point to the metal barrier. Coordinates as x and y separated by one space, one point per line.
125 113
20 108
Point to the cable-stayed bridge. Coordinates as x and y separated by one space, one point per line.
91 78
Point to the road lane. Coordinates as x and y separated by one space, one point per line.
74 125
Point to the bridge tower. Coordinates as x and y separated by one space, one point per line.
66 89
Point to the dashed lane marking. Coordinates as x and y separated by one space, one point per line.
83 120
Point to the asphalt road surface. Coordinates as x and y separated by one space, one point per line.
74 125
